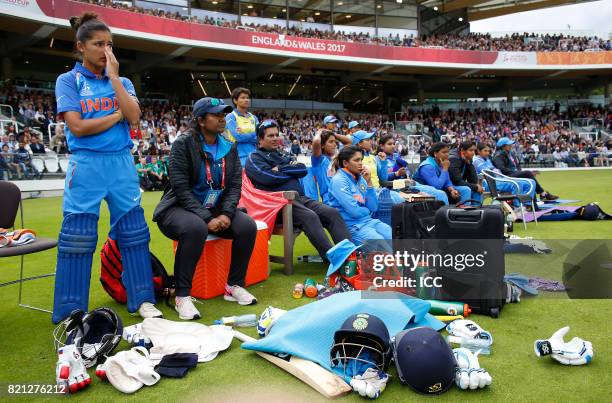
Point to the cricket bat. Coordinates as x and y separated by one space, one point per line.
323 381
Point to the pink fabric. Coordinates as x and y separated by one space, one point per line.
261 205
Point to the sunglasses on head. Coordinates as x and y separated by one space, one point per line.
268 123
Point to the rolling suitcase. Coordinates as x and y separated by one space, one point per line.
476 231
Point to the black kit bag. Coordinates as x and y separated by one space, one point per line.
478 280
414 220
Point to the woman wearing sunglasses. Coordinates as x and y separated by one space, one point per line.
205 183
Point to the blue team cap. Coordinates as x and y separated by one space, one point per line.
210 105
353 123
330 119
504 141
360 135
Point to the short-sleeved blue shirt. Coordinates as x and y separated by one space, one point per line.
80 90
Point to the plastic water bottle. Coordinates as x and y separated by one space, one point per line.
310 259
474 345
248 320
509 223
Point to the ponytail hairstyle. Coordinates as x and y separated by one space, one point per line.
344 155
435 147
383 140
85 25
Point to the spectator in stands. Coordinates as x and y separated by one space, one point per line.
462 171
353 194
36 146
520 186
269 170
391 166
4 166
156 173
13 168
205 185
241 124
58 141
353 126
143 174
5 141
508 164
295 148
433 171
24 160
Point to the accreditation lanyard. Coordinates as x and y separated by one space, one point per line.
209 178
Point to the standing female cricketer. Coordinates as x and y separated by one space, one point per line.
98 106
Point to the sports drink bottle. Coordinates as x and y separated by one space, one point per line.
248 320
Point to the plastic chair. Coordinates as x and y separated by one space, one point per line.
52 164
38 163
10 202
63 164
493 177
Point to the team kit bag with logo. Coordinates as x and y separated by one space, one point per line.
478 231
112 269
414 220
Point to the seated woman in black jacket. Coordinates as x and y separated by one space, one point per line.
205 183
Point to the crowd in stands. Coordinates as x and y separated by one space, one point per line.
542 140
516 42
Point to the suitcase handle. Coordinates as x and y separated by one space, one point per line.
462 217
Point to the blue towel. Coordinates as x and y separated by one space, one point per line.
308 331
521 282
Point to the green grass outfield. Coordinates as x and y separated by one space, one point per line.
28 357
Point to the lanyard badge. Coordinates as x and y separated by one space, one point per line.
212 195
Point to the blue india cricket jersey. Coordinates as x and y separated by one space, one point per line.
79 90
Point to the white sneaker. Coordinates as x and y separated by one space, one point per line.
148 310
240 295
185 308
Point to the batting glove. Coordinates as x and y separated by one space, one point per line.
371 383
576 352
468 329
70 371
133 335
468 373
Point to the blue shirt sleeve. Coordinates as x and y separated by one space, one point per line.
428 173
66 94
341 191
129 87
230 124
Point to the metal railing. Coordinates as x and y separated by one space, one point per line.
9 107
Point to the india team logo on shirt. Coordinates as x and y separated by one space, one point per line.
83 86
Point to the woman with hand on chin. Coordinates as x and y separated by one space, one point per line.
98 106
433 171
205 184
352 193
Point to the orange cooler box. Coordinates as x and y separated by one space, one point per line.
213 267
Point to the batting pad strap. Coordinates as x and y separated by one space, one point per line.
77 242
133 241
543 347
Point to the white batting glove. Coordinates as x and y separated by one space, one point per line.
70 371
370 384
576 352
133 335
468 329
468 373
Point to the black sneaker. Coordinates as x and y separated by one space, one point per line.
548 196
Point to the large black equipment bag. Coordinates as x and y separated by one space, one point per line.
477 231
414 220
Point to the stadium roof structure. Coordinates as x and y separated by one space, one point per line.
482 9
38 40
